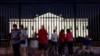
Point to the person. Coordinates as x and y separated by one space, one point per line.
54 40
61 42
43 41
23 37
87 44
69 41
16 40
10 39
34 44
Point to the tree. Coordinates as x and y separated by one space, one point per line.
4 29
94 28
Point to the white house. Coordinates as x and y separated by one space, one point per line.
51 22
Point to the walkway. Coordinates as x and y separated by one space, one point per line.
8 52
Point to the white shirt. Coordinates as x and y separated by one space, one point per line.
54 37
49 36
23 34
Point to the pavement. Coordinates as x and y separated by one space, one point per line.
8 52
57 55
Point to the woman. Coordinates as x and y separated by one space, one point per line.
69 40
23 39
34 44
61 42
54 40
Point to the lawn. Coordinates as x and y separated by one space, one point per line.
6 43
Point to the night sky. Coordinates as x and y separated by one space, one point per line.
66 10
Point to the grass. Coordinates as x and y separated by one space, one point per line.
7 43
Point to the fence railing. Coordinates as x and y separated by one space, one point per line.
81 17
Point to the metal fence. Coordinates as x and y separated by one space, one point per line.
82 18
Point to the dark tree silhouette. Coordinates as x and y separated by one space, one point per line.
4 27
94 27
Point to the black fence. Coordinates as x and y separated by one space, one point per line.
81 17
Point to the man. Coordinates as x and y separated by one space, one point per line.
43 41
16 40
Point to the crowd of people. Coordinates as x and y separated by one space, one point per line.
40 45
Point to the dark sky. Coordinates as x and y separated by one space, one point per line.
66 10
50 0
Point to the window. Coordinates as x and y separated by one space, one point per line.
87 27
32 27
70 27
83 28
76 27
